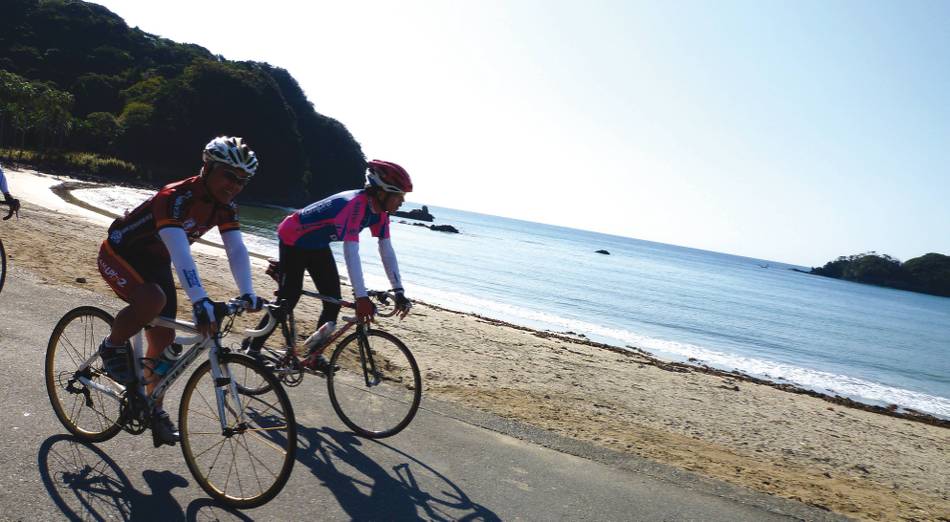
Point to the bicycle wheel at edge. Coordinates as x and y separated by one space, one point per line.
249 466
385 407
3 266
93 417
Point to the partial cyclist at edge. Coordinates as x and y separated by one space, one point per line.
136 261
8 198
305 238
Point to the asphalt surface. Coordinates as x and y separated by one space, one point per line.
449 464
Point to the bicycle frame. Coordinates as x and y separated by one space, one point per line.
199 345
292 325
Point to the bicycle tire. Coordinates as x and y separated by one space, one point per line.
272 430
3 265
381 409
69 398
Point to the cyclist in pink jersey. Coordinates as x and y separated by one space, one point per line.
305 238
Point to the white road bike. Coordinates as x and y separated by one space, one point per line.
239 447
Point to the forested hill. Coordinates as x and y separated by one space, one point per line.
929 273
75 77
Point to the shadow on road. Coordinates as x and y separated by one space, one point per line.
86 484
366 491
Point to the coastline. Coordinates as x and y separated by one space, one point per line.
64 191
826 451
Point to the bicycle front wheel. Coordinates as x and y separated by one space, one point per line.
87 412
245 460
377 388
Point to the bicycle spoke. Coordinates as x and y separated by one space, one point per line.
231 470
267 441
73 350
221 443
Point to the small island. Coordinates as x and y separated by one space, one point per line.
928 274
419 214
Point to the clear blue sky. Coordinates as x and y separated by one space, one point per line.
791 131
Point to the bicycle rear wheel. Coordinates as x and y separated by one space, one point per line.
377 388
86 412
246 464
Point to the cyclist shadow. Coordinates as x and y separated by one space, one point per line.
367 491
85 483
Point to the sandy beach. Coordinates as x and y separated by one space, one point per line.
855 462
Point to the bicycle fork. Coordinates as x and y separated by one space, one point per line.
224 386
367 361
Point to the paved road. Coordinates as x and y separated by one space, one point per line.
450 464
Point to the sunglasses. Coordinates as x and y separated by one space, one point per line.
232 176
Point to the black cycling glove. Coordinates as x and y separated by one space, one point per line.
403 304
252 302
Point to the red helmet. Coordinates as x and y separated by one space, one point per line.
388 176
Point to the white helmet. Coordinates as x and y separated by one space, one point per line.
231 151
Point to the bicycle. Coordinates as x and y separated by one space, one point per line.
14 209
374 387
240 448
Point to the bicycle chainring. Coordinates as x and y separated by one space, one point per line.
291 373
133 414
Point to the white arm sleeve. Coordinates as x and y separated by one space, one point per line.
177 244
351 253
388 257
239 260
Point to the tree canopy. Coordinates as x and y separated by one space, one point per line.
74 76
928 274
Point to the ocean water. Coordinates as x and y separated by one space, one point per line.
877 345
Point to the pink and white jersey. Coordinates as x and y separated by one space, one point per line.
340 217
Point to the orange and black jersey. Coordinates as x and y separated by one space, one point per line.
186 204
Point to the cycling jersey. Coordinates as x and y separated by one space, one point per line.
186 204
337 218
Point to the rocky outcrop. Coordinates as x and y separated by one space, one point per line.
437 228
419 214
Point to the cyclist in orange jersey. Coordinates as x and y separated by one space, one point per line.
137 259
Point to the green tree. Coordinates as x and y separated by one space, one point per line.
930 273
96 93
97 132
